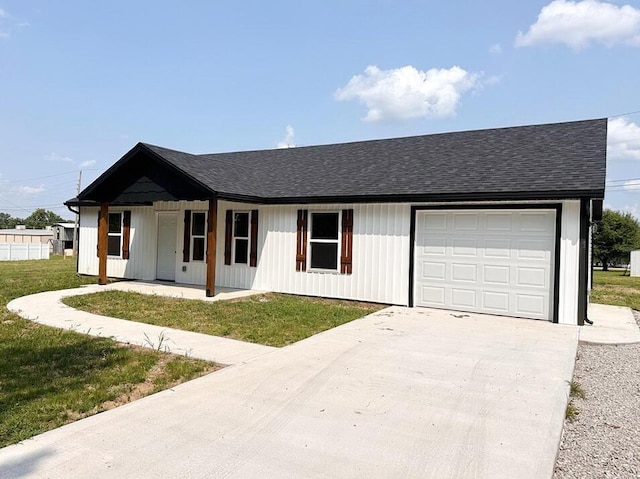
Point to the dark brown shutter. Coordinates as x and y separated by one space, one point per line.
186 248
346 258
98 243
301 241
126 233
228 236
253 255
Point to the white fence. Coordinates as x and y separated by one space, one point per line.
19 251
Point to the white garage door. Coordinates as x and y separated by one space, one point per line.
488 261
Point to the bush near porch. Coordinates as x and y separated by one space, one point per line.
50 377
271 319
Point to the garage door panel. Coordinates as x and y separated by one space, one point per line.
531 305
465 222
495 302
435 222
431 270
498 222
464 247
495 274
433 295
536 277
497 248
464 273
494 261
463 299
533 249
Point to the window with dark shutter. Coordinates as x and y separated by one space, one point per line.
323 241
301 241
346 258
186 248
114 244
253 255
198 235
228 236
126 233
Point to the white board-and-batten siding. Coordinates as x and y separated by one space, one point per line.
381 252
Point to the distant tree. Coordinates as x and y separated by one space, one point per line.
42 218
614 237
8 222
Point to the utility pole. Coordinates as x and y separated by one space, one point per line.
75 227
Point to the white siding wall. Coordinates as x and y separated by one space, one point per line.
142 250
380 252
569 262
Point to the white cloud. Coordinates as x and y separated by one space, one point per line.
87 163
30 190
623 140
495 48
407 92
58 158
631 185
288 141
2 13
580 23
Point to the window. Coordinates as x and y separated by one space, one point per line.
114 245
240 238
198 221
324 241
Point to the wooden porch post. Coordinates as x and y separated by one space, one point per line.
103 240
211 246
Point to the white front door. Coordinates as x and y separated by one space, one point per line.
167 232
488 261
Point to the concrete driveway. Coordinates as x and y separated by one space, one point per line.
401 393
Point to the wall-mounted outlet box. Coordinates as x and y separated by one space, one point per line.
184 269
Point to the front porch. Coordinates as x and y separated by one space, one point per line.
182 291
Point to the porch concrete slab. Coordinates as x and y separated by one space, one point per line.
183 291
47 308
409 393
611 325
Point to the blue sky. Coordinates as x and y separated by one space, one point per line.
82 82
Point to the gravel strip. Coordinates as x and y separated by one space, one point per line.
604 439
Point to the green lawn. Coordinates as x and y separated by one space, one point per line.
49 377
271 319
613 287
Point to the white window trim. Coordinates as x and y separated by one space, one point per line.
233 237
192 237
121 213
339 241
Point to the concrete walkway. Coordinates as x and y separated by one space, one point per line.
611 325
47 308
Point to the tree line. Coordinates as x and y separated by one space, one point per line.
614 238
39 219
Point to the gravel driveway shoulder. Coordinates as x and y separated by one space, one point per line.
604 439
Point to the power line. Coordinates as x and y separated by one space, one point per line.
625 114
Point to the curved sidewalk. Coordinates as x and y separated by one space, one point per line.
47 308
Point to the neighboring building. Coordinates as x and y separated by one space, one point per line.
63 232
635 263
23 235
492 221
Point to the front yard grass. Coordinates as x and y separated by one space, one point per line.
49 377
271 319
614 288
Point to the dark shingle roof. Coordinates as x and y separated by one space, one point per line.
561 160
